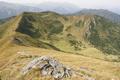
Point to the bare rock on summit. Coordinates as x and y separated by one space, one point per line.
49 67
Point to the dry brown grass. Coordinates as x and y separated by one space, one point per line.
12 62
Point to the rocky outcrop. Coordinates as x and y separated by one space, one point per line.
49 66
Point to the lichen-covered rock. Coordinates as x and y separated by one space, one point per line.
48 66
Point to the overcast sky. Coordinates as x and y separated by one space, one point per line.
105 4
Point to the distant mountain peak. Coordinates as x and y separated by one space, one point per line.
63 8
101 12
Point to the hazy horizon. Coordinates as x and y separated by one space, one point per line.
93 4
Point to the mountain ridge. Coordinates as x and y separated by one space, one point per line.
50 30
114 17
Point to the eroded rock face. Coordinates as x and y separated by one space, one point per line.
49 66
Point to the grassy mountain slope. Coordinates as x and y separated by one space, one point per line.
13 59
76 32
78 41
63 33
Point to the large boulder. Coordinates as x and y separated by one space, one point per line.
49 67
